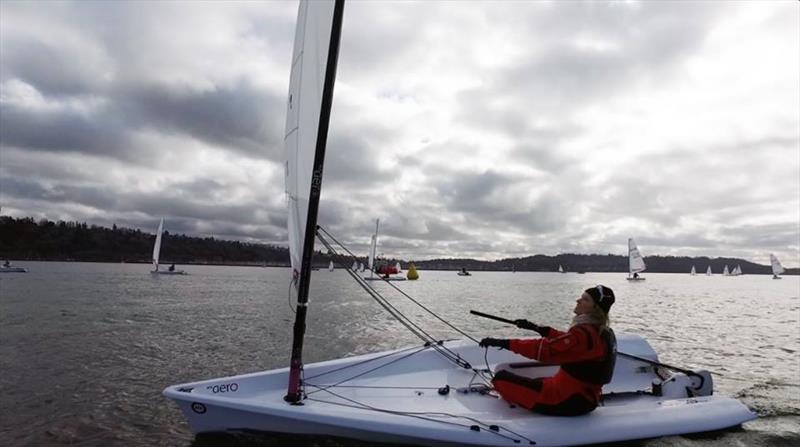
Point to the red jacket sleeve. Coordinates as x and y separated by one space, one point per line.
578 344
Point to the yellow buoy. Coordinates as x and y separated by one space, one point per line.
412 272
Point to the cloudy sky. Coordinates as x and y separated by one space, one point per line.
483 130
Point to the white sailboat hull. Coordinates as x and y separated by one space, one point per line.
254 402
167 272
13 270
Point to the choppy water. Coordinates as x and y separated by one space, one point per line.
86 349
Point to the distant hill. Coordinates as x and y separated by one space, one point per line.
28 239
600 263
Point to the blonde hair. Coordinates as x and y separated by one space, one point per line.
602 317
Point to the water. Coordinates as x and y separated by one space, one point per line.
86 349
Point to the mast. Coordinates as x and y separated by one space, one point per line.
294 392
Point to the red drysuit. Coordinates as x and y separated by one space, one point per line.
587 361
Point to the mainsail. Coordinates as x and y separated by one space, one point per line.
304 127
777 268
157 246
693 272
635 260
314 59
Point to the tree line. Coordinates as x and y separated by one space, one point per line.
44 240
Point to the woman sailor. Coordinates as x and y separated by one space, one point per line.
586 354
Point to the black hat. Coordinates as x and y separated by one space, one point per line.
603 296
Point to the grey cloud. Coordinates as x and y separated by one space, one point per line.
99 132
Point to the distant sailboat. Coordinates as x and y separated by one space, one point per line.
361 267
330 266
725 271
157 253
777 268
383 271
354 267
398 268
635 262
561 269
736 270
708 271
8 268
693 272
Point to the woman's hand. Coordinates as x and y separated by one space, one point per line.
525 324
496 342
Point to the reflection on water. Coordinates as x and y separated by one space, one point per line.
85 349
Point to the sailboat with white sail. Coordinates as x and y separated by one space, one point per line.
777 268
330 266
725 271
380 271
157 253
424 394
708 271
693 272
635 262
561 269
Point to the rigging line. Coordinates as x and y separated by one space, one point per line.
325 386
431 312
452 356
364 361
369 370
408 323
396 313
328 234
422 415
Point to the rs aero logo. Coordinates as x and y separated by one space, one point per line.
198 408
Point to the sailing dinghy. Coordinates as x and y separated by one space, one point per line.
157 254
434 393
384 271
635 262
777 268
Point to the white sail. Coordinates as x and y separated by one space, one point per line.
725 271
560 269
693 272
708 271
309 61
738 270
157 245
373 247
397 266
635 260
361 267
354 267
777 268
330 266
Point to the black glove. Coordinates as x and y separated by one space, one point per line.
525 324
498 342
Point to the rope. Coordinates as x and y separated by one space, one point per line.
405 321
405 294
422 415
367 371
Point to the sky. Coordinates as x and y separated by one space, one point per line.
471 129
